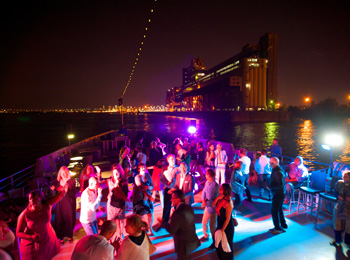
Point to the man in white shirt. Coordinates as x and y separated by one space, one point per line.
263 168
220 164
246 169
96 246
90 199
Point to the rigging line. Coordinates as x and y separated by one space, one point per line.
139 49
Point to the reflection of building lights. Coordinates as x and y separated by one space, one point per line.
278 105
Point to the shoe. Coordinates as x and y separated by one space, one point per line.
70 240
286 201
276 231
61 241
204 239
284 226
334 243
212 246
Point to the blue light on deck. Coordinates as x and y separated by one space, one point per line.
326 147
192 129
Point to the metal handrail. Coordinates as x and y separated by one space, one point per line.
13 180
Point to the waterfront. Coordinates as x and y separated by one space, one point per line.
27 136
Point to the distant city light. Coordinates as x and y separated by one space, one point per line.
192 129
307 99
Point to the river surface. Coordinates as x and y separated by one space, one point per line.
27 136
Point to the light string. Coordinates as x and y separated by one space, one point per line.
137 58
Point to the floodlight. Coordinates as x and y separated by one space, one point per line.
192 129
334 139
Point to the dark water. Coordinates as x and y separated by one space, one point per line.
25 137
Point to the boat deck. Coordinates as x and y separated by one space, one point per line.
303 239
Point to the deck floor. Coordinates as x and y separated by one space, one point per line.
303 239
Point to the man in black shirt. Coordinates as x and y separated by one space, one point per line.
278 190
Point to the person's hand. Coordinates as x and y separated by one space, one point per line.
170 191
36 237
340 197
220 197
203 204
99 191
116 244
52 187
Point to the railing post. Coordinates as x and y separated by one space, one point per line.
12 185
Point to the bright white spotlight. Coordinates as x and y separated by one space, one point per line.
326 147
334 139
192 129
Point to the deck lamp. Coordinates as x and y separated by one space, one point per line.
332 140
70 136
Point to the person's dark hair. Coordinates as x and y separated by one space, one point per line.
179 194
162 163
185 149
107 227
263 152
276 139
38 193
227 189
211 172
243 151
200 144
237 165
136 222
140 165
346 172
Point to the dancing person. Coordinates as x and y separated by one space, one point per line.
194 156
209 194
278 190
91 247
38 238
186 157
142 196
220 164
117 196
167 180
65 212
182 226
246 170
158 170
178 152
275 149
225 228
185 182
154 156
237 183
297 174
341 215
201 158
85 175
90 200
210 157
263 168
137 245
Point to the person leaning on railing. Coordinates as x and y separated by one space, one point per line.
341 216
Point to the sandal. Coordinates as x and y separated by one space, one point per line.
70 240
61 241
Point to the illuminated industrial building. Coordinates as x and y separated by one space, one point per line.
244 82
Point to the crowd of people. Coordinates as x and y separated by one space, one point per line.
172 175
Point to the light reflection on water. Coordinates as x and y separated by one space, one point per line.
305 140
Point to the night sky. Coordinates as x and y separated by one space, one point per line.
79 54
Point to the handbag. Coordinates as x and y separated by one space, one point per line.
235 222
